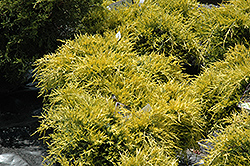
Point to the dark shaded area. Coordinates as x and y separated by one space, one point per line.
191 69
215 2
18 106
30 28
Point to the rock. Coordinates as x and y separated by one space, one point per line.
10 159
122 3
26 156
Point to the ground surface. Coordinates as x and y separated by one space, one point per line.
17 123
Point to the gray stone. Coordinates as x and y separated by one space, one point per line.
11 159
122 3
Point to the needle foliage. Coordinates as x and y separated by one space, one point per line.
222 27
221 86
30 28
101 65
122 96
231 145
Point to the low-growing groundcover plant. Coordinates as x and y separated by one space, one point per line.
231 146
122 97
84 136
98 65
221 86
222 27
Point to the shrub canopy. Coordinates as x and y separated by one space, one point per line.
98 65
119 95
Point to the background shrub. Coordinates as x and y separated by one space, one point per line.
30 28
221 27
196 34
162 27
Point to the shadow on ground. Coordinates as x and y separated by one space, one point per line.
18 108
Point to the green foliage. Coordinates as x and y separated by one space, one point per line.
19 27
30 28
231 146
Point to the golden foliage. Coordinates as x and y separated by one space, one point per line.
220 86
231 146
123 97
99 65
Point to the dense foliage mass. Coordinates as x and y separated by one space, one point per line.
232 144
221 85
97 65
123 95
